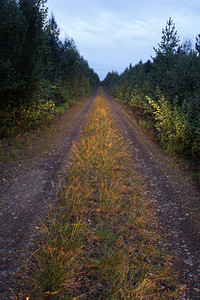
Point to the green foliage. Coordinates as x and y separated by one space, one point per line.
60 94
172 80
169 40
36 67
27 117
172 124
147 124
22 41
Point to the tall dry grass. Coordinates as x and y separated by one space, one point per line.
101 242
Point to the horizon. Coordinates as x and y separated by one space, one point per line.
111 35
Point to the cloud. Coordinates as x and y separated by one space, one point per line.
111 34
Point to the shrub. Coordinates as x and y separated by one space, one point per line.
172 124
26 117
59 94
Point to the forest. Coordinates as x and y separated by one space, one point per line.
165 92
39 74
91 205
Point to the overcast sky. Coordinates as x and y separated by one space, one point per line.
111 34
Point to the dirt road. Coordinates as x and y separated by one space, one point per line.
28 187
175 199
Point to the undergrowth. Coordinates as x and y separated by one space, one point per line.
101 243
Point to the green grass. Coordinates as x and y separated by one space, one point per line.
147 124
101 241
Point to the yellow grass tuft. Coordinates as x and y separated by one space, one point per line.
101 243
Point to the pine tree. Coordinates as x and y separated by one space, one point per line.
169 40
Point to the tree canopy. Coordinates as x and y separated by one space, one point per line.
32 56
166 89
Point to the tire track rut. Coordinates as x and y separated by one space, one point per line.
26 190
170 192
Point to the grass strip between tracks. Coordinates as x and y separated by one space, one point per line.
101 242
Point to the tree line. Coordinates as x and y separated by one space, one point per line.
38 71
166 90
